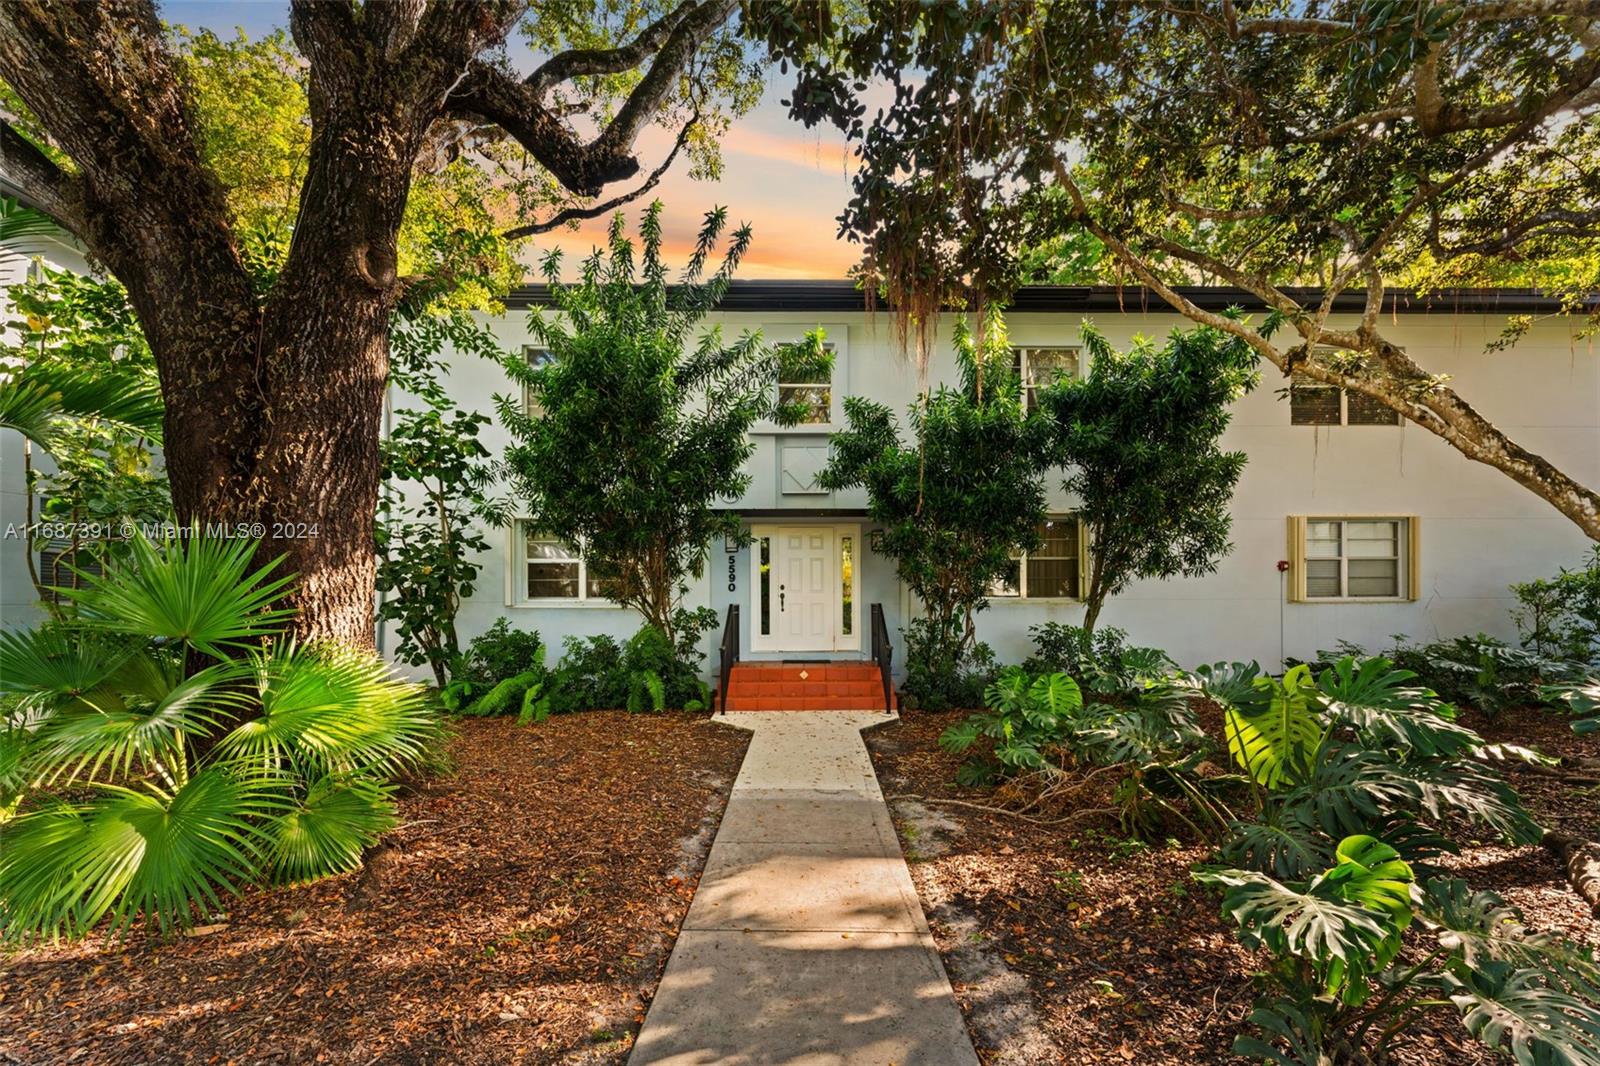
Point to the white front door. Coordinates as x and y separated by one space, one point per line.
808 588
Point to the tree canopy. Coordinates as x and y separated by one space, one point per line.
636 434
1351 145
269 206
1139 440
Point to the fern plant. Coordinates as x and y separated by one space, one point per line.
140 790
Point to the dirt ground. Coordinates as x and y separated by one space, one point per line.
523 914
1073 945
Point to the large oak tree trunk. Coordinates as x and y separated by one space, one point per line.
273 406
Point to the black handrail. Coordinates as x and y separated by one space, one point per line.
730 654
882 654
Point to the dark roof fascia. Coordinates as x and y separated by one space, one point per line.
843 295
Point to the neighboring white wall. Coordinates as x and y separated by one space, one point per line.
1479 530
18 601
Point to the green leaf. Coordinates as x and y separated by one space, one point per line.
198 590
67 866
327 831
329 709
1479 928
1277 745
1517 1011
1373 697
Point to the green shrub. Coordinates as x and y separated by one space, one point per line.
502 652
1559 617
940 678
1481 672
142 790
1338 981
1038 725
1358 778
1100 660
503 672
646 673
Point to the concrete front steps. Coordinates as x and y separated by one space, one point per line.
802 686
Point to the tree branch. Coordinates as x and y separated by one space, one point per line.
488 93
54 191
576 214
585 62
646 99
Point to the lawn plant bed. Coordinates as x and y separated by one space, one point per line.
1069 944
522 912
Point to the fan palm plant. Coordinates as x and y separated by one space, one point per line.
140 789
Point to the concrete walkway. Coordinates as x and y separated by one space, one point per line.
805 944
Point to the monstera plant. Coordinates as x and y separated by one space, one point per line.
1338 980
1359 778
163 747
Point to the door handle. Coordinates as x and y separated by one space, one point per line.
780 597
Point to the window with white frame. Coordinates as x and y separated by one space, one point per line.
1038 368
1050 573
551 569
817 396
1355 558
536 358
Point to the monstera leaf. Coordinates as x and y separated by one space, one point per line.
1315 922
1277 745
1051 699
1372 696
1287 847
1517 1010
1350 789
1480 929
1347 922
1295 1030
1581 697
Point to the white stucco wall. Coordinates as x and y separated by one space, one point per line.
1479 530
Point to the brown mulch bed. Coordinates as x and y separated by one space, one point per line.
522 914
1067 944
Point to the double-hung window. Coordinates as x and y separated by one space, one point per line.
1353 558
817 396
1039 368
1053 571
1313 403
549 569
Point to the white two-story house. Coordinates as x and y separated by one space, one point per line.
1347 523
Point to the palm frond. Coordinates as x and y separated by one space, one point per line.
200 591
82 741
326 832
67 866
330 709
35 400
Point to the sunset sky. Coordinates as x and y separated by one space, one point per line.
789 183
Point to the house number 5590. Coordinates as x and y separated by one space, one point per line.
733 572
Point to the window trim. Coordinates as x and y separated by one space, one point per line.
831 421
517 576
1021 365
1022 569
1344 405
1410 546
